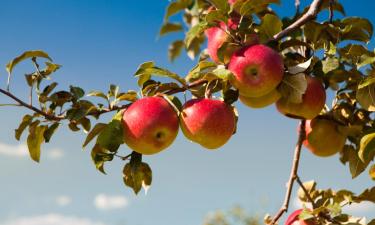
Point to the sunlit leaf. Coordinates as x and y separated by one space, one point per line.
26 121
293 87
26 55
94 132
35 140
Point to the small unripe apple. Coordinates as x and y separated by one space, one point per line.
262 101
313 101
293 219
323 137
150 125
257 70
208 122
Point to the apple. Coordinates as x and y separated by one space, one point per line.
293 219
313 101
208 122
150 125
262 101
216 37
257 70
323 137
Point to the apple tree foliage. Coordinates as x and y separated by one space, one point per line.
332 49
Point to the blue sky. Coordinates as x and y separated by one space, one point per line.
102 42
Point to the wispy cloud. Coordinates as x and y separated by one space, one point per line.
51 219
63 200
22 151
106 202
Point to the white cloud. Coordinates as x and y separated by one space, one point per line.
63 200
51 219
105 202
21 150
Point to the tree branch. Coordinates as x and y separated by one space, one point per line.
293 172
24 104
309 15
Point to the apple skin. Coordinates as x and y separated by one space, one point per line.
150 125
294 220
208 122
216 36
262 101
257 70
323 137
313 101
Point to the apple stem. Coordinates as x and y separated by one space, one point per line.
293 172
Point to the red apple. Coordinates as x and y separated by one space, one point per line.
216 37
294 220
323 137
150 125
208 122
257 70
262 101
313 101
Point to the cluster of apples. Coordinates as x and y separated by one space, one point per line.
151 124
258 71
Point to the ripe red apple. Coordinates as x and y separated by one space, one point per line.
323 137
208 122
150 125
216 37
294 220
313 101
257 70
262 101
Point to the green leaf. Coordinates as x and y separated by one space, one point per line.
175 49
293 87
310 187
215 16
35 139
269 26
98 94
194 32
136 175
357 28
111 137
223 73
300 68
77 92
356 165
113 90
366 95
150 69
330 64
99 156
130 96
367 195
99 127
221 4
169 28
253 6
199 70
176 7
26 121
26 55
50 131
367 148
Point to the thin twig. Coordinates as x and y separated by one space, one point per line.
297 4
306 191
309 15
293 173
331 2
